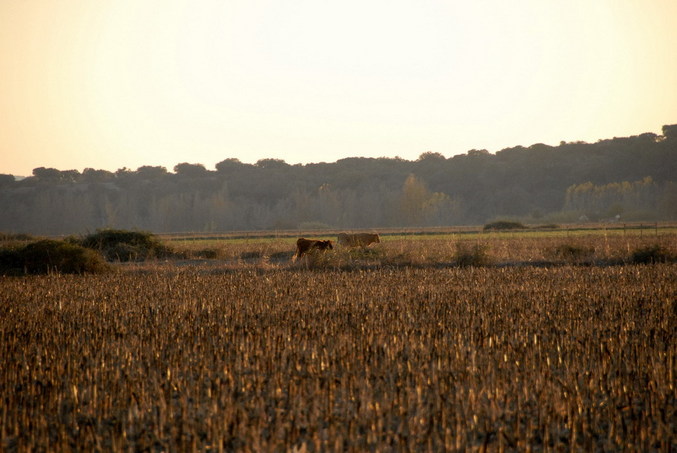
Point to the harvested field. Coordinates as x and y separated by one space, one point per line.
326 358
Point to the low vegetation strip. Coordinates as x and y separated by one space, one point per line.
28 255
655 230
565 358
588 250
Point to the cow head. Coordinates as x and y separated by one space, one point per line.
324 245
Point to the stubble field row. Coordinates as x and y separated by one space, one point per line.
281 357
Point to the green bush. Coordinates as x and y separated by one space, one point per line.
47 255
123 245
651 254
504 225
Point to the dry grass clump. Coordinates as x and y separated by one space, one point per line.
573 253
242 252
586 250
384 359
343 258
650 254
472 255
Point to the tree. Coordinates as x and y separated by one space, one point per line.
150 172
479 153
228 165
670 131
6 180
271 163
54 176
421 207
92 175
356 192
431 156
413 200
47 174
190 170
70 176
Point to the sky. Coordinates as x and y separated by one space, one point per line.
109 84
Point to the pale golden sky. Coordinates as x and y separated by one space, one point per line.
124 83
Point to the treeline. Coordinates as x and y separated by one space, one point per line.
630 178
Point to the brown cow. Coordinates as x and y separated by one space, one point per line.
358 239
304 246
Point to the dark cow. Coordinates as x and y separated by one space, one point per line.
358 239
304 246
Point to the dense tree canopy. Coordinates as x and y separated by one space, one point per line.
629 178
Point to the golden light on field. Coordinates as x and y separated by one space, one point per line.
129 83
437 359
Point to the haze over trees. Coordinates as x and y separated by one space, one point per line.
629 178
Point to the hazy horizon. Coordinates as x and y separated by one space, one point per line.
127 83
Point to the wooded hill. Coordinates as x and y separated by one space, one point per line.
620 179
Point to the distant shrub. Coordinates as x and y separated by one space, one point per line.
573 253
47 255
651 254
252 255
504 225
281 256
123 245
548 226
207 254
476 255
15 237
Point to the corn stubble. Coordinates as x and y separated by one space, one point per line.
319 360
